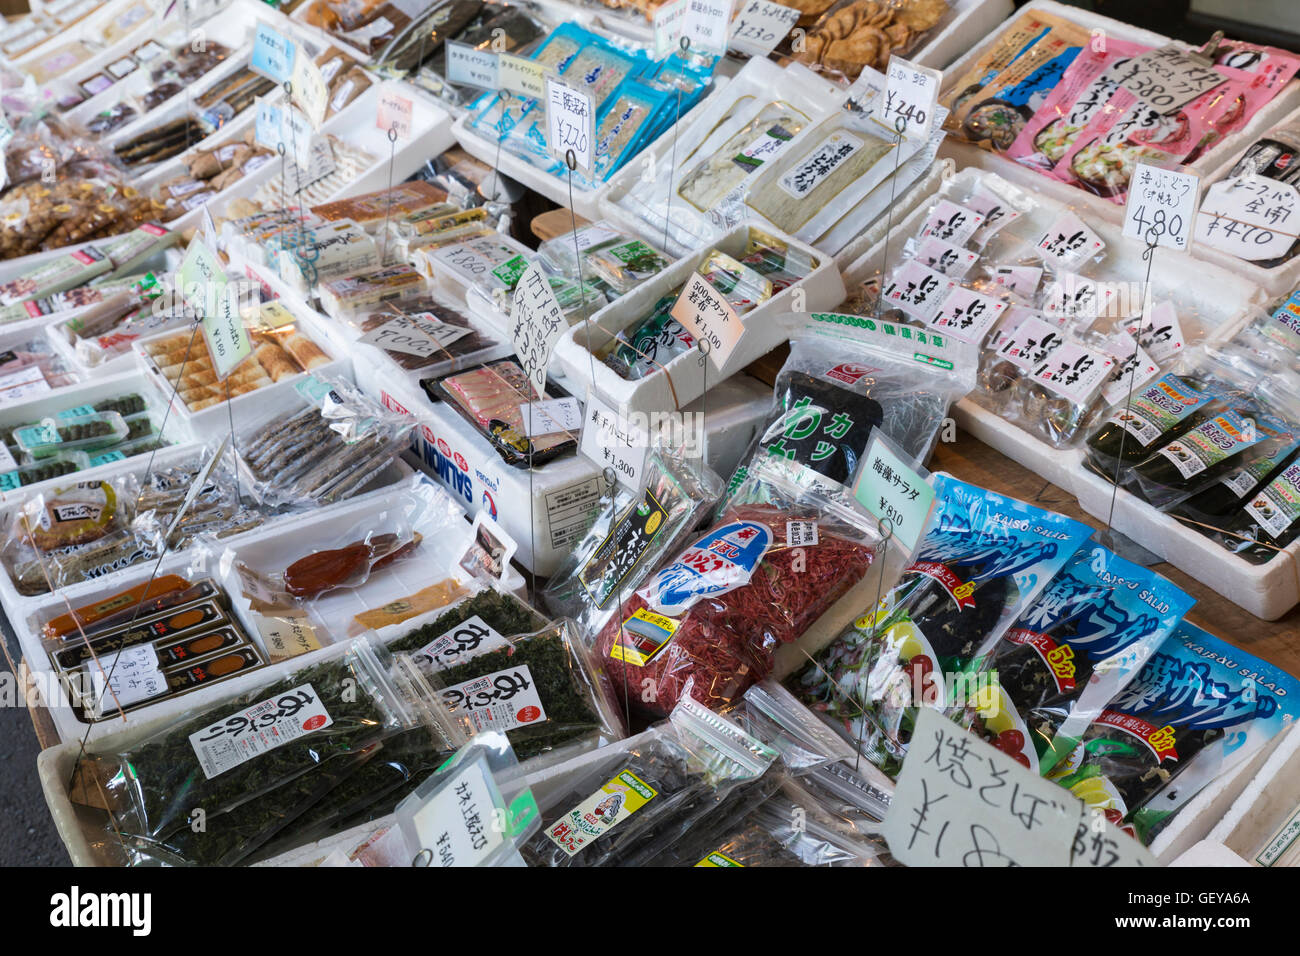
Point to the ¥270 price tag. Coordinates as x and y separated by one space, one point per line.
891 488
1251 217
394 112
911 97
707 25
569 122
760 26
706 314
611 441
1161 206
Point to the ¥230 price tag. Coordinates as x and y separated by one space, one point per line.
611 441
569 122
706 314
760 26
1251 217
911 97
1161 206
891 488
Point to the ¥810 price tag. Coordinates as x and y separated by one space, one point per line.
891 488
706 314
911 97
569 122
612 442
1161 206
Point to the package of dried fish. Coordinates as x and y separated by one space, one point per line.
855 34
427 336
326 450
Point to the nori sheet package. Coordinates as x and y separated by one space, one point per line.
644 794
1196 709
1080 643
780 556
982 561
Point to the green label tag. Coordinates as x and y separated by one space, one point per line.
75 412
510 271
892 490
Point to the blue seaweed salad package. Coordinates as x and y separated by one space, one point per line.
982 561
1196 709
1079 644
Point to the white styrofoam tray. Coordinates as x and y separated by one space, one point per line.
683 378
1267 801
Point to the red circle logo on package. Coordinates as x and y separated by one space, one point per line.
461 463
314 723
444 448
849 372
528 714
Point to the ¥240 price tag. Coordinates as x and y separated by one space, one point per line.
911 97
891 488
706 314
611 441
760 26
1161 206
569 122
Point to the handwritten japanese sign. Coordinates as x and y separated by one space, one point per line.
394 112
310 91
612 442
569 122
706 314
1250 217
421 333
205 287
553 415
273 54
760 26
891 489
911 95
537 322
1168 78
455 824
1161 206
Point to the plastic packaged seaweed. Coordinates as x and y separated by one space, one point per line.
1269 522
1068 654
77 433
1196 709
981 562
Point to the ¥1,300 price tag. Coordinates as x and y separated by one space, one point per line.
394 112
537 322
518 74
706 314
471 66
891 489
551 416
612 442
1251 217
911 97
569 122
1161 206
707 24
273 54
668 27
760 26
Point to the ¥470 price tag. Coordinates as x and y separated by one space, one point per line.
611 441
911 96
471 66
569 122
891 488
760 26
1161 206
1249 216
706 314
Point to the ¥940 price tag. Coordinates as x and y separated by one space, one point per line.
891 488
707 25
911 97
706 314
1251 217
1161 206
569 122
760 26
612 442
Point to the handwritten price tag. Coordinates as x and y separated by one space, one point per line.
911 96
612 442
1249 216
518 74
394 112
202 283
554 415
1168 78
707 315
893 490
135 677
421 334
760 26
707 24
273 54
1161 206
538 322
569 122
471 66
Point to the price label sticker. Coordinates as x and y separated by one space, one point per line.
1252 217
549 417
23 384
668 27
760 26
470 66
911 97
705 312
569 122
611 441
1133 369
892 489
298 136
273 54
1074 371
421 333
310 91
394 112
1069 243
707 25
1168 78
537 322
1161 206
518 74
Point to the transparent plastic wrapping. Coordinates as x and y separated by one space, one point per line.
713 617
427 335
852 35
469 627
775 716
76 433
637 797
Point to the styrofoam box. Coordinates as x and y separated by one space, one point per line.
21 333
89 28
1266 802
683 378
1232 145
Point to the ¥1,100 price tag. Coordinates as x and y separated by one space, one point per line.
518 74
1161 206
891 489
471 66
394 112
612 442
911 96
707 24
551 416
706 314
760 26
569 122
1251 217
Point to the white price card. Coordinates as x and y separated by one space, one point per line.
394 113
310 91
551 416
668 27
124 678
1068 242
421 333
459 824
537 322
1161 206
707 25
268 130
1250 216
569 122
470 66
273 54
298 136
760 25
911 98
705 313
611 441
320 163
205 288
961 802
892 489
25 383
518 74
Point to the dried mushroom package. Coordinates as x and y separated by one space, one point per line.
981 562
649 791
1068 654
1198 708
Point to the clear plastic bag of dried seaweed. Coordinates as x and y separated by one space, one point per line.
220 756
480 622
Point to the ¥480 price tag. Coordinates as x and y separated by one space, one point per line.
1161 206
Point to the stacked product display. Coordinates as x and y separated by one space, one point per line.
450 433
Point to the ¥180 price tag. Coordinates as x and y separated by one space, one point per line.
760 26
707 25
911 97
612 442
1161 206
706 314
891 488
570 122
